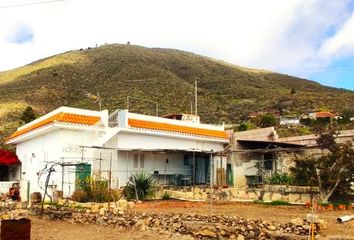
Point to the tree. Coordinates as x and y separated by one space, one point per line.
28 115
333 171
346 115
293 91
268 120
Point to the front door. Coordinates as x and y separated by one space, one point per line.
229 175
83 173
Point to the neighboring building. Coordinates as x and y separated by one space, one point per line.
184 117
256 154
289 121
321 115
80 143
10 166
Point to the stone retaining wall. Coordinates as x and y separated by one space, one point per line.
291 194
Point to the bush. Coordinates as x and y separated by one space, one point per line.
89 190
274 203
140 186
166 196
268 120
80 195
279 202
279 178
28 115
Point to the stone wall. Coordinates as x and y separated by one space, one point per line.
291 194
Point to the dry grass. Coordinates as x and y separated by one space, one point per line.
67 58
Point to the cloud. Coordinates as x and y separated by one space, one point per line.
21 34
342 43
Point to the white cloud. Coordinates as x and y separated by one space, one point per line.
342 43
272 34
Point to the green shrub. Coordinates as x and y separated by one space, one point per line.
274 203
90 190
280 178
28 115
279 202
166 196
140 186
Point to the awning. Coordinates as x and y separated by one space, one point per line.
258 144
8 158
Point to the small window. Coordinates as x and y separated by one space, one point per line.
185 160
142 161
268 164
136 160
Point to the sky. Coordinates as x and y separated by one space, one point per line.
312 39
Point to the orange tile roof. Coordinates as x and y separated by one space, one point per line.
137 123
324 115
59 117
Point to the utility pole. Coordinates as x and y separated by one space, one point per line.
99 101
128 103
196 95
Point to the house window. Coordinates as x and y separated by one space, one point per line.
136 160
185 160
268 164
142 161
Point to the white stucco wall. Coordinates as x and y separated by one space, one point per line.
62 143
145 141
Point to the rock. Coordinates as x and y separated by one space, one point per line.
240 237
276 196
123 203
271 228
322 224
297 221
102 211
207 233
312 218
95 208
131 205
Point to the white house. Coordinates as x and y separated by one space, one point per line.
78 143
289 121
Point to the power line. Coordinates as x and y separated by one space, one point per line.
30 4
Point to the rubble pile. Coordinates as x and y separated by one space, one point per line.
197 226
188 226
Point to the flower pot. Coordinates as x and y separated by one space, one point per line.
341 207
330 207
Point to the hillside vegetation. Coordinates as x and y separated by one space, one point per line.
226 93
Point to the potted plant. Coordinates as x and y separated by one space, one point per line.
341 206
323 205
329 207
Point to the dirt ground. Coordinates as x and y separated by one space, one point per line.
60 230
44 229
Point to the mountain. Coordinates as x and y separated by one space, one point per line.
226 93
